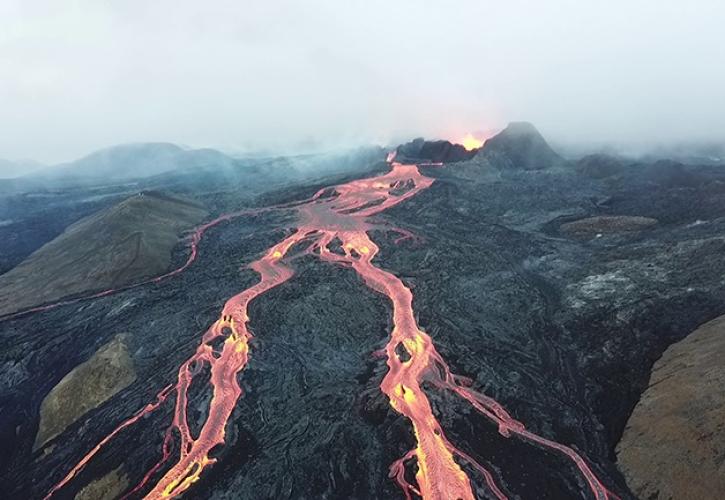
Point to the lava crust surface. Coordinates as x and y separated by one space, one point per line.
444 336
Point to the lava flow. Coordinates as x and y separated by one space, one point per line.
333 225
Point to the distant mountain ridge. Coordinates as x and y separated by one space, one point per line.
10 169
138 160
144 162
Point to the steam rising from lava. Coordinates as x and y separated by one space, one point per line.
339 215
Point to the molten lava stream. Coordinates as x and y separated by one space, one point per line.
224 368
439 476
339 217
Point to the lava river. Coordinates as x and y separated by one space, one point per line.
333 225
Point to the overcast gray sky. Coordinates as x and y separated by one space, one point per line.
79 75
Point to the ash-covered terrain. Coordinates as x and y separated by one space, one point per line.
549 285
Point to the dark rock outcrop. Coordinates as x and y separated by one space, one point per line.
670 173
520 146
600 166
420 150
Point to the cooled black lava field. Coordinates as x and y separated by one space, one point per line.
549 286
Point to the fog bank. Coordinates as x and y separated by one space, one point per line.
297 76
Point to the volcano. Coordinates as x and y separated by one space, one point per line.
440 323
520 145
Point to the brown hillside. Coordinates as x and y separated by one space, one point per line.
116 246
674 444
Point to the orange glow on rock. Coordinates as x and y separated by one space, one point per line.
470 142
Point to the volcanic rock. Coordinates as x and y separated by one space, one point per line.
520 146
563 332
603 224
671 174
108 371
674 444
420 150
600 166
116 246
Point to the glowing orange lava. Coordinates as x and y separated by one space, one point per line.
333 225
470 142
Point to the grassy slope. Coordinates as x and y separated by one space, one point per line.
113 247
